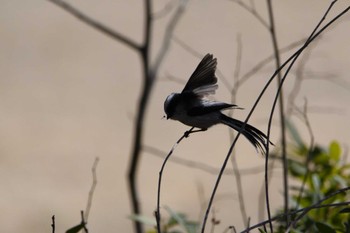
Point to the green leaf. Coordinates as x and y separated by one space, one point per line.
342 181
151 231
76 228
334 151
316 183
321 159
261 230
324 228
181 219
143 219
297 169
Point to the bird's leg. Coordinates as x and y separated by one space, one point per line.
188 132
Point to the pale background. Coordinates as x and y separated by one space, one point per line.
69 94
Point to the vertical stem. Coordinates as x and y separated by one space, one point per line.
142 106
236 172
282 118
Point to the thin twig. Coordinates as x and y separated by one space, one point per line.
95 24
296 54
299 78
143 50
279 90
150 75
237 174
245 77
307 209
262 197
252 11
92 189
83 222
309 154
199 165
169 34
282 122
157 212
232 228
53 224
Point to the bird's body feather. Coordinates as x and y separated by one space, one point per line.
191 108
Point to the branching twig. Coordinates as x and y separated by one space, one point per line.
83 222
272 30
307 209
245 77
236 171
295 212
147 85
169 34
149 79
313 36
252 11
299 78
309 154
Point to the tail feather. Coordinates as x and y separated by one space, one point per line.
254 136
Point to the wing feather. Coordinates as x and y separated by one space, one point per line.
203 80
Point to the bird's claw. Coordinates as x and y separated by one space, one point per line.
187 133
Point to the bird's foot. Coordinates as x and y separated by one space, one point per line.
188 132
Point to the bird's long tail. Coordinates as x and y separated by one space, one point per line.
255 136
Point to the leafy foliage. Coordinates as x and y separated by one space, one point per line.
176 223
318 172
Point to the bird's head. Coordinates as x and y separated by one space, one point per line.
170 104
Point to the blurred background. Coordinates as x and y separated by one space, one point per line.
70 94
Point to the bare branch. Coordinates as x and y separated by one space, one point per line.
309 154
201 166
236 171
267 60
157 212
169 34
92 189
53 225
252 11
147 84
312 37
83 222
282 123
95 24
187 47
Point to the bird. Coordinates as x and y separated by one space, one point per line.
192 108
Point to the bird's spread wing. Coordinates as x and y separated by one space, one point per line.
208 107
203 81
